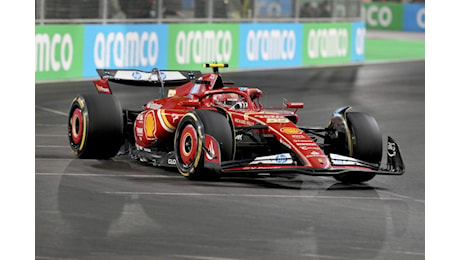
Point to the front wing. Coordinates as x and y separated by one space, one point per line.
339 164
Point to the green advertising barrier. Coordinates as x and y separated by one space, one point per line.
384 16
58 52
60 49
392 50
191 45
326 43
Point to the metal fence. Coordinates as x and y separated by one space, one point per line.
194 11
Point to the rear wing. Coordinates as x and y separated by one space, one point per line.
152 78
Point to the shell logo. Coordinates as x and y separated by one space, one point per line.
291 130
149 125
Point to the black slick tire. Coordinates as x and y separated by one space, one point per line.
95 126
366 145
189 142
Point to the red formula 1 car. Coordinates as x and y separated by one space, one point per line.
209 128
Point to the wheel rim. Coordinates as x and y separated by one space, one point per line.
188 145
76 125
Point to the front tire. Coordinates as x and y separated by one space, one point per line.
190 138
366 145
95 126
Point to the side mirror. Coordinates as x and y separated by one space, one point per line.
295 105
191 103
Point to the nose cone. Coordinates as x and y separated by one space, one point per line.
305 147
317 158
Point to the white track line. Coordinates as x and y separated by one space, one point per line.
402 196
105 175
46 135
52 146
238 195
204 257
50 124
392 195
52 111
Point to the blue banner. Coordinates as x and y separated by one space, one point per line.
270 45
135 46
414 17
358 40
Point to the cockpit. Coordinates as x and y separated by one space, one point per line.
232 101
241 98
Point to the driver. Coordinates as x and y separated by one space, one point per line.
230 100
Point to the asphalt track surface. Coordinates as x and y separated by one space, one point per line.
122 209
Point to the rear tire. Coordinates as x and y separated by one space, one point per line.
189 142
366 145
95 126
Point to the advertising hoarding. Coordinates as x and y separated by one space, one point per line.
191 45
58 52
270 45
134 46
326 43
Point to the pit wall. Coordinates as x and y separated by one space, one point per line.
395 16
76 51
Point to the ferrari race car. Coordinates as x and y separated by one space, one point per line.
209 128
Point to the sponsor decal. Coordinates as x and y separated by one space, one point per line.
153 105
290 130
284 158
306 146
300 137
149 125
304 141
136 75
102 86
277 120
281 158
211 149
171 92
268 116
210 154
243 122
163 75
172 161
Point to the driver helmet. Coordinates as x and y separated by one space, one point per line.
226 99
